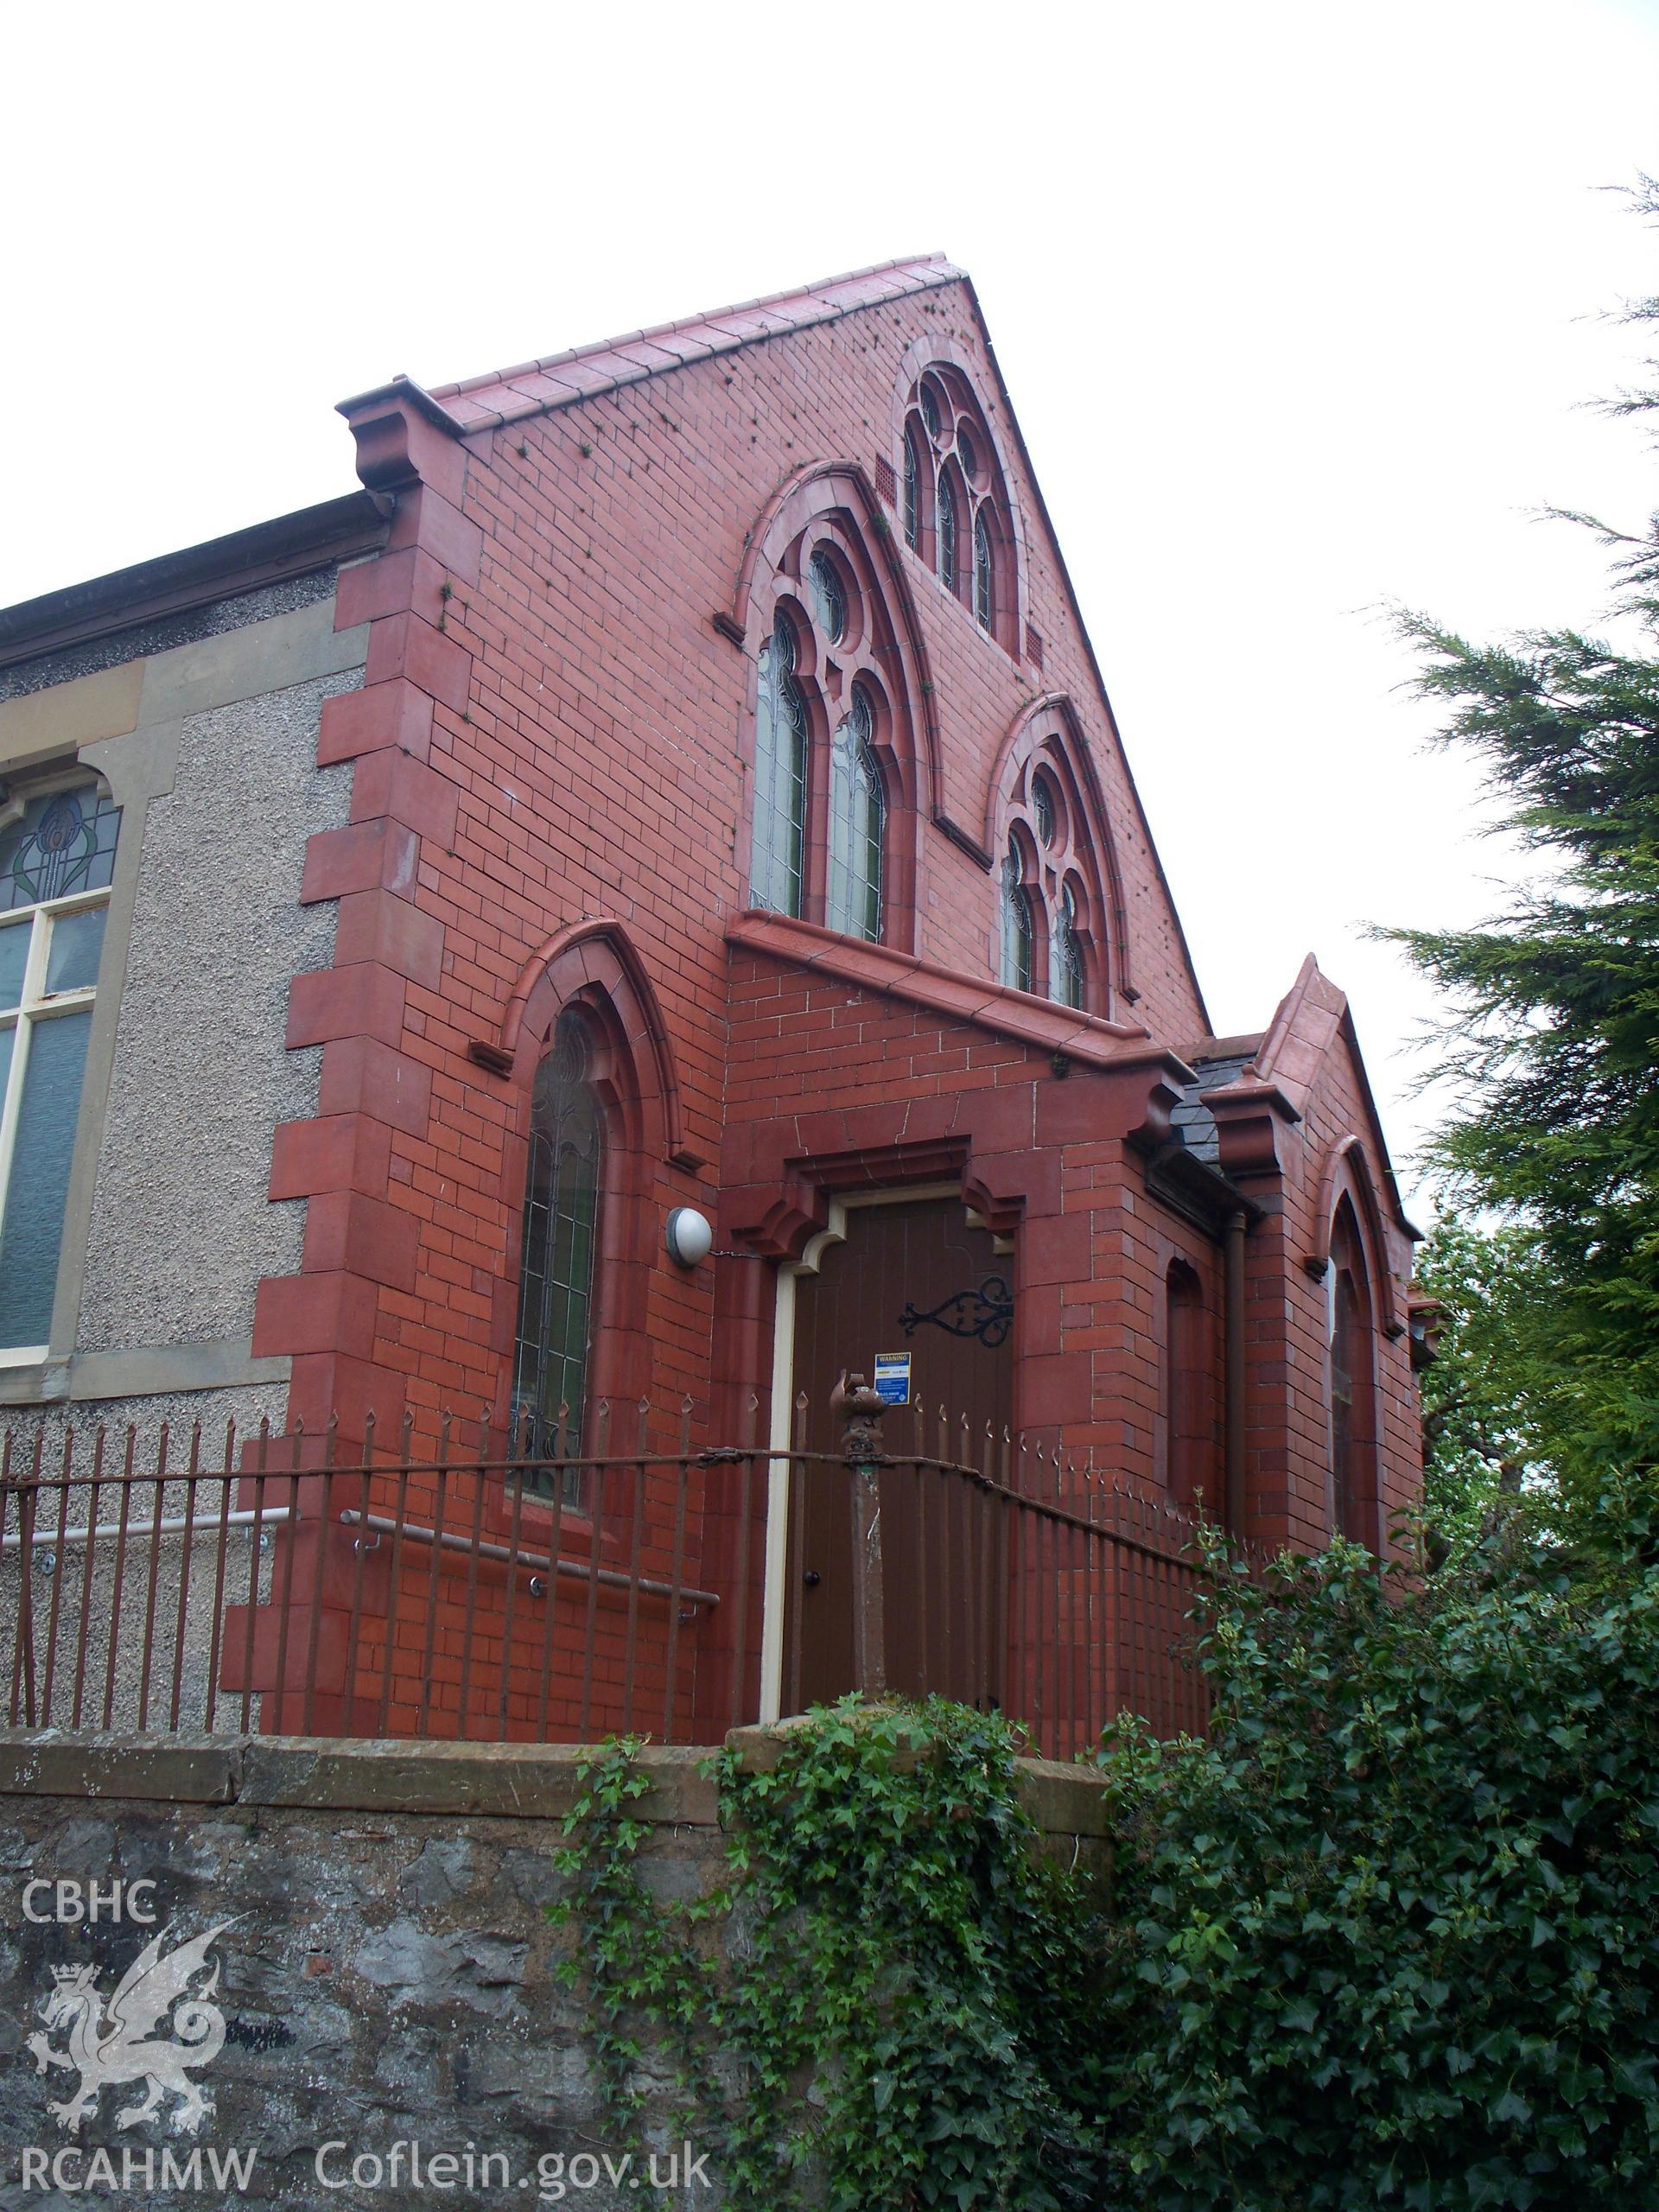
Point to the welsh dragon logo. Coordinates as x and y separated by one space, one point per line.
122 2046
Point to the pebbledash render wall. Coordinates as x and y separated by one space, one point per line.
388 1974
204 729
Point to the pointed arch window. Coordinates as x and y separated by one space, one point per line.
857 817
912 493
1064 954
779 834
947 533
1017 935
561 1197
1353 1426
955 502
983 603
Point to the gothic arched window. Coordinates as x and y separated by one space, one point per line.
779 828
912 493
955 502
982 586
947 533
1064 954
1017 935
857 815
1353 1423
555 1291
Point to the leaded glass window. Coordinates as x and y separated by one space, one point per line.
965 453
1016 925
983 607
1064 954
556 1290
857 817
779 828
912 493
931 412
57 857
1042 805
948 532
829 598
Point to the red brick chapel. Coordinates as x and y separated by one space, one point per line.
740 827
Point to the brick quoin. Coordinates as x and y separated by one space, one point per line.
552 762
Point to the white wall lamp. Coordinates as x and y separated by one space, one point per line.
688 1236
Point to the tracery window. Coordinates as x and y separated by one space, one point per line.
561 1198
1044 870
954 500
825 713
857 813
57 860
779 832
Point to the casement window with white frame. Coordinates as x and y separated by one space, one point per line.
57 858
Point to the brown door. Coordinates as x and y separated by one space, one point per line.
915 1277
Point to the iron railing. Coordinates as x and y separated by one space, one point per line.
451 1587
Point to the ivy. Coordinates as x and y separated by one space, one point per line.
891 2001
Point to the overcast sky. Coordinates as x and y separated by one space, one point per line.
1298 305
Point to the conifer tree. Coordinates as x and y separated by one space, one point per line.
1555 1036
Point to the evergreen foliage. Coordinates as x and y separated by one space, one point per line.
1390 1936
1554 1039
895 2002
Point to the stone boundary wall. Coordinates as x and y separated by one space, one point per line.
387 1973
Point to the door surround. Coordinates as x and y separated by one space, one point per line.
790 1271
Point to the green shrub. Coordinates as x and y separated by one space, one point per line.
905 1995
1391 1935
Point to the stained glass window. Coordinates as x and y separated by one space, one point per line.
829 598
1064 954
948 532
1042 805
780 827
965 453
913 492
930 411
57 858
1016 925
857 815
555 1292
63 842
983 571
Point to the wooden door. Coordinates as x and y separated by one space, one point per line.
913 1276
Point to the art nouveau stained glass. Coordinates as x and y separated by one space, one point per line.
780 827
983 570
947 532
829 598
555 1291
857 820
913 492
1016 925
1064 954
57 858
63 842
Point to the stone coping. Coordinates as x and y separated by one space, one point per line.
503 1780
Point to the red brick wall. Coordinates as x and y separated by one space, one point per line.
552 729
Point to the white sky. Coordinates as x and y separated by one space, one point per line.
1298 305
